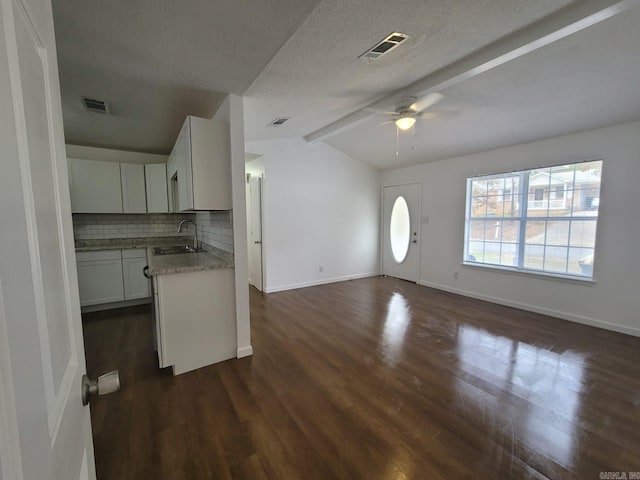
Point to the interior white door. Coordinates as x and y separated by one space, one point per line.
401 222
45 432
255 213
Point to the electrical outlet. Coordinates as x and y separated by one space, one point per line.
455 275
321 269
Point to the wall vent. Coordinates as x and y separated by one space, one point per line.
94 105
390 42
278 121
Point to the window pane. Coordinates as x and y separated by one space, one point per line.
581 261
555 259
508 255
534 256
495 186
400 229
586 202
583 233
479 207
535 233
492 252
478 187
558 233
475 252
476 230
495 206
510 231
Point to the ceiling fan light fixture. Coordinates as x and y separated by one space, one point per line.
405 123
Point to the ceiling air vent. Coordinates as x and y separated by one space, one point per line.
278 121
93 105
385 46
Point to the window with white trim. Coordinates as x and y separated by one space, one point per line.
541 221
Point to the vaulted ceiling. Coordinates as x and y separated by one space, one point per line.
563 66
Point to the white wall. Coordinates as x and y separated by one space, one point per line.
321 208
613 301
111 155
232 112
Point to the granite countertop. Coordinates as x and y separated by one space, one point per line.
123 243
190 262
209 259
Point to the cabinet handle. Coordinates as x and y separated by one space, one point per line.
145 271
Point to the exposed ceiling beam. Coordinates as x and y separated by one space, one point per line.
567 21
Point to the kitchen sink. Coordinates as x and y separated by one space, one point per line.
176 249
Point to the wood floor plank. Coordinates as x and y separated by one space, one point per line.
372 379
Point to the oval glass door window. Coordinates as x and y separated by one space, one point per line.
400 229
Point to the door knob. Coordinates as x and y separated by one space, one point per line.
257 242
107 383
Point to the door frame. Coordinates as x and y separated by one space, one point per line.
400 183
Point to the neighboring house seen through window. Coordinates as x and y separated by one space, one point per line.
542 220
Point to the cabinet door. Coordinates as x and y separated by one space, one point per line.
172 170
134 199
136 285
211 164
100 281
182 153
95 186
155 177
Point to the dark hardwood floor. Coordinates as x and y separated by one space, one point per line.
372 379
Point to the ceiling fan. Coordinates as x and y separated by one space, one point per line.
411 109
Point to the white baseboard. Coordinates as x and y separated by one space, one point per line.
593 322
245 352
323 281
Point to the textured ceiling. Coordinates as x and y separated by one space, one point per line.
157 61
316 77
587 80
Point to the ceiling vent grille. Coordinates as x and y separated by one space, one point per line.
385 46
278 121
94 105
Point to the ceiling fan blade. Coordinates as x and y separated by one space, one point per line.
375 110
429 100
440 114
386 123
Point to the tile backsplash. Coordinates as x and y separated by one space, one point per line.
214 228
99 225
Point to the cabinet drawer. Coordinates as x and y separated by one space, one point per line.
98 255
134 253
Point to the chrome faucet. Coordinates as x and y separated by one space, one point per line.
195 227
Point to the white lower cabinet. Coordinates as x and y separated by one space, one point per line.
100 277
195 318
136 285
109 276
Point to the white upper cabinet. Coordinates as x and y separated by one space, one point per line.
156 185
95 186
201 177
182 154
134 199
110 187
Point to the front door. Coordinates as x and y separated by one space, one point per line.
45 432
400 242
